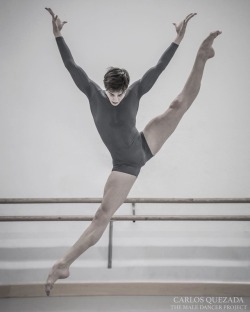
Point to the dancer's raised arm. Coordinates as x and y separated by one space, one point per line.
150 77
79 76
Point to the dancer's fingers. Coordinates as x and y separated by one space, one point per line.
50 11
191 15
182 25
188 16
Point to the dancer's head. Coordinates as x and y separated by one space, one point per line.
116 82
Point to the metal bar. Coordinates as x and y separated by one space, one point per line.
128 200
110 244
130 218
133 210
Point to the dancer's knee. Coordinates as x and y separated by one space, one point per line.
176 104
98 225
179 105
102 215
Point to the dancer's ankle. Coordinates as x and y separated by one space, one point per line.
62 263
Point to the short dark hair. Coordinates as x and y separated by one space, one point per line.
116 79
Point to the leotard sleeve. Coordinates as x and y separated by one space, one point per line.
150 77
79 76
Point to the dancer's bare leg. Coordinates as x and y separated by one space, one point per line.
160 128
116 191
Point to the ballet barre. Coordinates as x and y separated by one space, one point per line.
133 217
129 218
94 200
133 288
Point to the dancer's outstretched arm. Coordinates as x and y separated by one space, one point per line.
79 76
150 77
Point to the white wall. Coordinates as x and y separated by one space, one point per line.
50 147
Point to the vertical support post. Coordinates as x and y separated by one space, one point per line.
133 210
110 246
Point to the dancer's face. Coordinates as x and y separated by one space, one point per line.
115 97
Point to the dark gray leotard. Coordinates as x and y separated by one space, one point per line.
117 124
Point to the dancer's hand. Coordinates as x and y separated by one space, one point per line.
181 27
56 22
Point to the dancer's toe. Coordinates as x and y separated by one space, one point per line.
215 34
48 288
58 271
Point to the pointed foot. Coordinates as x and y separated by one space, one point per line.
206 49
58 271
